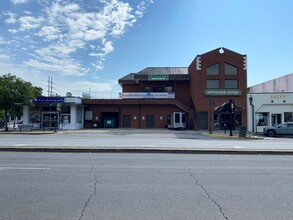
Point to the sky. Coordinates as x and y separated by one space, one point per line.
86 46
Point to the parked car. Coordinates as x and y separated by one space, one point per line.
282 129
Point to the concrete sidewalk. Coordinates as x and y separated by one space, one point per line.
115 140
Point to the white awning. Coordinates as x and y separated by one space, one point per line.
276 108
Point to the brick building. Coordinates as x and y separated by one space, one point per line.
201 92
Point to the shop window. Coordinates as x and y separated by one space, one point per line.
213 69
79 115
65 119
213 84
147 89
231 84
158 89
65 109
262 118
230 69
288 116
168 89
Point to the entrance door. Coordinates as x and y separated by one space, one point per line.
150 121
276 119
126 121
202 120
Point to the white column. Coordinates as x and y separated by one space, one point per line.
26 115
73 117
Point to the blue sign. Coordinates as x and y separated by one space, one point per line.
48 100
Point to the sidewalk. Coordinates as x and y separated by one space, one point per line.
143 141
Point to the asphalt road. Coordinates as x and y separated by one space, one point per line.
139 138
145 186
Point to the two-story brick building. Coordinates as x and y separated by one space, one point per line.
201 92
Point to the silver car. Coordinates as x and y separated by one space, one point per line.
281 129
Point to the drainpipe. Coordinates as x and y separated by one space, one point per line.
252 109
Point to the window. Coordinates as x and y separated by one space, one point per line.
78 115
213 84
288 116
158 89
213 69
262 118
65 109
88 115
231 84
230 70
168 89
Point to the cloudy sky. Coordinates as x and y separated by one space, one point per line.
88 45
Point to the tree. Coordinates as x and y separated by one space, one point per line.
14 94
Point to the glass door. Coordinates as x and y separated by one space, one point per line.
276 119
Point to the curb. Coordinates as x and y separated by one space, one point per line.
150 150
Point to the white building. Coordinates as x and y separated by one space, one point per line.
65 113
270 103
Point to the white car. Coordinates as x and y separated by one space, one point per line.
281 129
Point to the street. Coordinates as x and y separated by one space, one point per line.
140 139
145 186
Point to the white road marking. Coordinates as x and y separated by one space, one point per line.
238 147
19 145
24 168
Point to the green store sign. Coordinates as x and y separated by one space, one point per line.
223 92
158 77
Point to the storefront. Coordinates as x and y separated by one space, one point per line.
268 109
55 113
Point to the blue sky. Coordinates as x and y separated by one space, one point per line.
89 45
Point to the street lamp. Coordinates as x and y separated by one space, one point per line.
232 107
211 108
252 109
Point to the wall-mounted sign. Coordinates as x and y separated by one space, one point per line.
147 95
48 100
223 92
158 77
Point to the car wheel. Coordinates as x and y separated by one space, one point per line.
271 133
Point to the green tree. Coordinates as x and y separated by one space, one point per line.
14 94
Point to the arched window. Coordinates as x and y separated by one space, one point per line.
213 69
230 69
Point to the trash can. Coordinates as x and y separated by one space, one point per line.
242 131
109 122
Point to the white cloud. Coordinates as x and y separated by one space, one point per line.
142 7
29 22
49 33
13 31
19 1
4 57
12 18
61 29
2 40
64 67
94 87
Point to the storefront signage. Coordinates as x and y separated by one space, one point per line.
147 95
222 92
48 100
158 77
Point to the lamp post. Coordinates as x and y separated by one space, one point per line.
232 106
211 107
252 109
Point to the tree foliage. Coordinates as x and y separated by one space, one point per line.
15 93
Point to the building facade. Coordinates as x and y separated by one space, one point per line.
202 93
270 103
65 113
